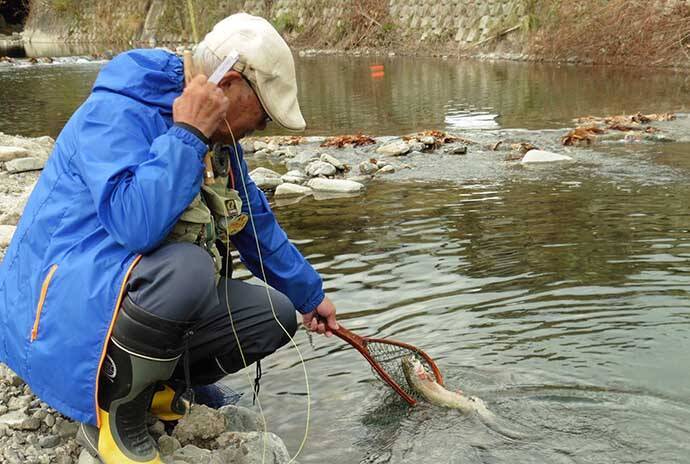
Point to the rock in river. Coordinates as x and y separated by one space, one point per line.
334 185
541 156
289 190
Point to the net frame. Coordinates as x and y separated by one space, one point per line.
384 355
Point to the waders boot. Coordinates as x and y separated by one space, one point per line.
143 351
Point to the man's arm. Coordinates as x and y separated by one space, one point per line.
141 180
286 269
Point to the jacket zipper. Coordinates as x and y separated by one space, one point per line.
120 296
41 300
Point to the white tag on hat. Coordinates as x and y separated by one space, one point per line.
224 67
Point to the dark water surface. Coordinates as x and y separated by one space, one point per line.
560 295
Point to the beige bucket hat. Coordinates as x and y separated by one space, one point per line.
265 60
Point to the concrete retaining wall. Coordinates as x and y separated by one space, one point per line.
319 21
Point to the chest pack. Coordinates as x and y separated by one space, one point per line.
214 214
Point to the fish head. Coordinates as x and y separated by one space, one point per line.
413 367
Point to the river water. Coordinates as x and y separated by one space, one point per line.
559 295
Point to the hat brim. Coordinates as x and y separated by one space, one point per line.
279 101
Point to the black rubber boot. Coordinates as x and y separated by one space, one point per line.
143 351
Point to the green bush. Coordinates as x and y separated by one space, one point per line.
286 23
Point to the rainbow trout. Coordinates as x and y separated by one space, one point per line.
425 384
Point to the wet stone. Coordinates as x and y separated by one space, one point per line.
320 168
49 441
459 150
168 445
366 167
394 149
24 164
326 158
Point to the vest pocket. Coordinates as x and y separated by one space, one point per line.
41 300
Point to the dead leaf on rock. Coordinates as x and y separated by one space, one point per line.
523 147
624 127
354 140
580 135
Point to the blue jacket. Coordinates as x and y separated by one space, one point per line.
117 181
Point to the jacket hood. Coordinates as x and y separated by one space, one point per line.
152 76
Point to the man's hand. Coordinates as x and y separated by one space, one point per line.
326 312
202 105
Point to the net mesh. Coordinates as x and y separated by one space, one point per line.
389 357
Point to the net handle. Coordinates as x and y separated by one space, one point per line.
360 344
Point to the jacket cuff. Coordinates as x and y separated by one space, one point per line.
191 135
312 302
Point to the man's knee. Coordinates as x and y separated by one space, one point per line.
175 281
285 311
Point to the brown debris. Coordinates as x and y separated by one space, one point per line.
523 147
342 140
580 135
590 126
623 119
440 137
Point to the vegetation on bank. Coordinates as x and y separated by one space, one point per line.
637 32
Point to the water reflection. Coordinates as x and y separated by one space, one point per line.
338 95
559 305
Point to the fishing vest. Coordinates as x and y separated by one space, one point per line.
214 214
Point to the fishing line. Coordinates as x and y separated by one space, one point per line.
268 294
